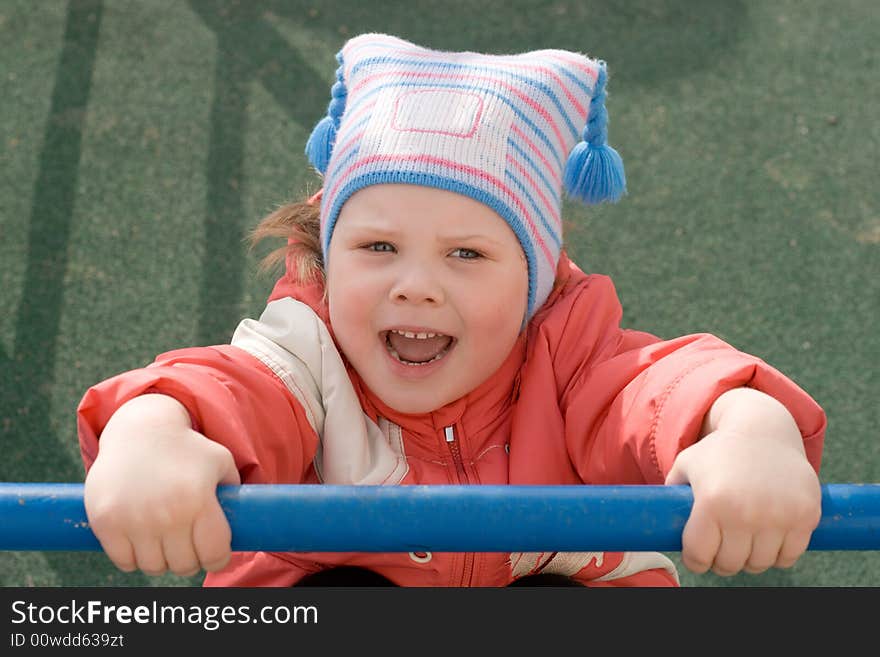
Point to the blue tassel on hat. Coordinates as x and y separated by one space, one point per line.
594 171
319 147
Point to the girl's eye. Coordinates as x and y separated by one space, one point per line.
380 247
468 254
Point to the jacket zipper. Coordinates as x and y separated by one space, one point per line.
461 473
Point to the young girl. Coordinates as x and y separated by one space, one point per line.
430 329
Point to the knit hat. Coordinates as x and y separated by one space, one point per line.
506 130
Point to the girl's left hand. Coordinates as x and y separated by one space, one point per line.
757 501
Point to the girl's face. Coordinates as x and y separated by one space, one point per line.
427 292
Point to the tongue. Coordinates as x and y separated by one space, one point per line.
416 350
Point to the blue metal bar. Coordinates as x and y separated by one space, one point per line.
328 518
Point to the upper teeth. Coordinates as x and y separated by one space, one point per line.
419 336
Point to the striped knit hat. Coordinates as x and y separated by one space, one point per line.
508 131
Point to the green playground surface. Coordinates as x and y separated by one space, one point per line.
140 141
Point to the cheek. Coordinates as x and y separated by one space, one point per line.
350 300
497 311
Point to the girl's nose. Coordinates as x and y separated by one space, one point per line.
416 284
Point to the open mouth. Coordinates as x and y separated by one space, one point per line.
417 349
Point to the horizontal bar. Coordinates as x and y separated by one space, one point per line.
325 518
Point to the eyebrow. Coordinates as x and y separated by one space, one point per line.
475 236
377 230
371 228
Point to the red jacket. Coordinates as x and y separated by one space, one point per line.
578 401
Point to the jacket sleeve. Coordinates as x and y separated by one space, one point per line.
232 398
636 401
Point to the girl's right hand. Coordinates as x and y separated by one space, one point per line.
151 494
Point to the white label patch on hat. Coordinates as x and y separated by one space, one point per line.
445 112
464 127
